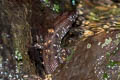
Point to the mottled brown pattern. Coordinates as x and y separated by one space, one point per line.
52 45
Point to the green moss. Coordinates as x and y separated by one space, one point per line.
112 64
105 76
56 8
71 55
93 17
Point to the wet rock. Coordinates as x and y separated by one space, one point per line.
92 63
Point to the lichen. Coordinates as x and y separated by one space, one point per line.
89 45
18 55
99 43
107 42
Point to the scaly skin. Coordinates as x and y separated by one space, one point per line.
52 46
